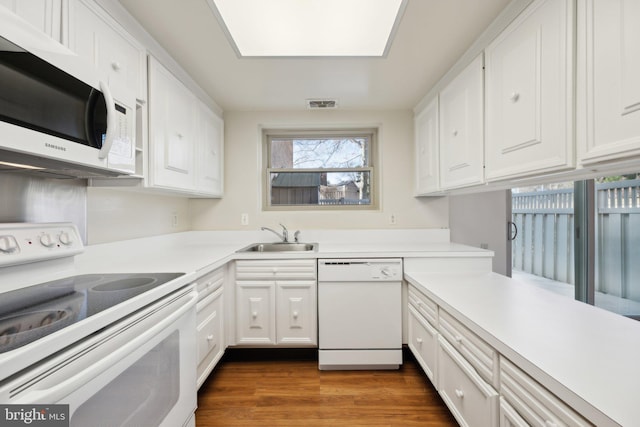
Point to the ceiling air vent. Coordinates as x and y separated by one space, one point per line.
322 104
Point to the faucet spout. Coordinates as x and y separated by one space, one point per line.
284 236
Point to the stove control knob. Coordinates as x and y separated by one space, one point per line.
47 241
8 244
66 238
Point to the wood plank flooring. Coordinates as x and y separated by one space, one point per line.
293 392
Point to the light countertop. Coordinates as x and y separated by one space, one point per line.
580 352
202 251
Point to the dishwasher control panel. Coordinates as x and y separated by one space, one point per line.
362 269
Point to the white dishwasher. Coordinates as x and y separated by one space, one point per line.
360 313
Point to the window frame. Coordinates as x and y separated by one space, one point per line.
268 134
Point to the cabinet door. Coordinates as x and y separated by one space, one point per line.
117 56
461 129
296 312
612 80
255 312
209 146
45 15
427 150
171 128
210 333
423 343
529 95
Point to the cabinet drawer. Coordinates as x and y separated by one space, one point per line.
276 269
210 282
424 305
509 417
471 400
423 342
534 403
478 353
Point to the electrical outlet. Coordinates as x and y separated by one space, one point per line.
244 219
484 246
174 219
392 219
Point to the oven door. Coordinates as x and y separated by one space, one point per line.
141 371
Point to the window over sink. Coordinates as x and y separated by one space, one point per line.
320 169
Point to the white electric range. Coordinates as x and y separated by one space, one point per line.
119 348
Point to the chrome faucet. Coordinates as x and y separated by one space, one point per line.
284 236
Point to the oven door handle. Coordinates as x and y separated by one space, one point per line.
63 383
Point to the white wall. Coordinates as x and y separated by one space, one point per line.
482 218
120 215
243 175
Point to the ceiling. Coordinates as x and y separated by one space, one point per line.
431 36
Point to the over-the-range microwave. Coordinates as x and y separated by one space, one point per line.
57 117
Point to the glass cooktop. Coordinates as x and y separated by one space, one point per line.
36 311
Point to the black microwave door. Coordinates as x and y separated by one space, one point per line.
36 95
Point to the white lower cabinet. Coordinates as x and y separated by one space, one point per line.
509 417
482 357
209 323
423 343
532 402
422 335
276 303
472 401
255 312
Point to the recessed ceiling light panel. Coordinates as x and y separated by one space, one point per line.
309 28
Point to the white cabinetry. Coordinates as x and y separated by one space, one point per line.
185 138
478 353
612 80
529 93
531 402
461 128
45 15
471 400
427 149
422 334
210 324
210 157
120 61
276 302
509 417
119 58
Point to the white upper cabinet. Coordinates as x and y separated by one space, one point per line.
210 156
185 138
529 93
119 58
172 125
612 80
461 128
426 149
46 15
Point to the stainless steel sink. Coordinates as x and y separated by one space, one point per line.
281 247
